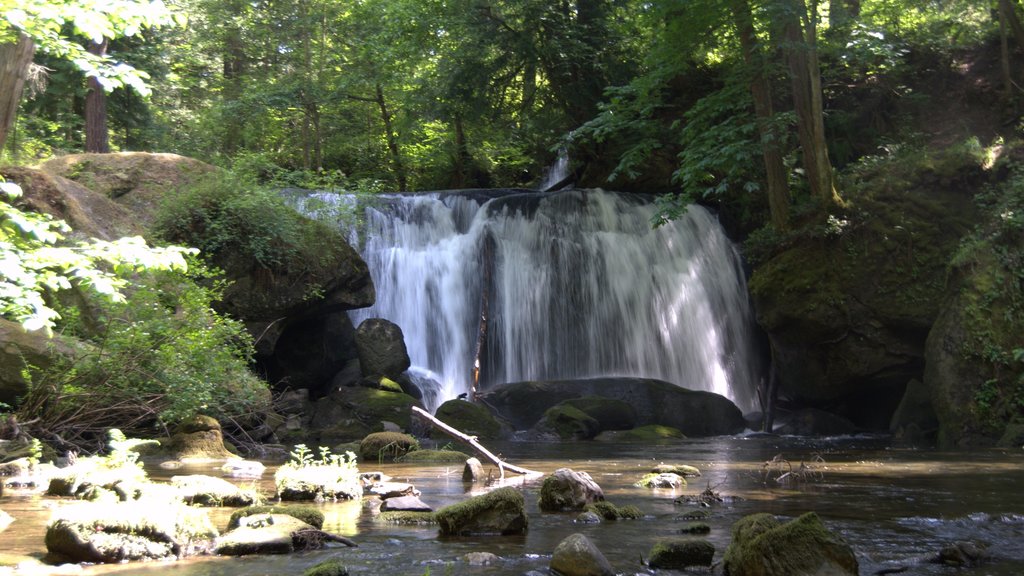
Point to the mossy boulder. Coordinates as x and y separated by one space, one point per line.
567 489
610 414
435 457
568 423
332 567
386 445
652 433
501 511
349 410
684 470
381 347
406 517
307 514
199 438
693 412
578 556
665 480
202 490
763 546
608 511
679 554
695 528
472 418
259 534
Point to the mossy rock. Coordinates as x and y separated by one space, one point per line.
436 456
611 414
1013 437
307 514
652 433
404 517
762 545
695 515
389 385
655 480
569 423
471 418
332 567
695 528
500 511
349 410
386 445
609 511
675 554
678 469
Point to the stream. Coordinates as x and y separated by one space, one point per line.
890 505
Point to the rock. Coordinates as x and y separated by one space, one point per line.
609 511
695 413
348 414
568 490
332 567
381 348
609 413
577 556
814 422
962 554
408 503
473 419
24 353
500 511
568 423
678 469
407 518
391 445
309 349
243 468
307 514
312 483
474 471
587 517
5 518
435 456
1013 437
112 533
269 534
669 481
681 554
914 422
695 528
481 559
199 439
386 490
203 490
762 545
652 433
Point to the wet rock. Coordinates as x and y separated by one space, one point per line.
667 481
650 434
261 534
307 514
588 518
577 556
332 567
568 423
567 489
349 414
386 445
681 554
763 545
609 511
436 456
23 354
962 554
695 528
381 347
388 490
481 559
500 511
473 419
199 439
473 471
678 469
198 489
405 504
610 414
243 468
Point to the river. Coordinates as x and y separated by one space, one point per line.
891 505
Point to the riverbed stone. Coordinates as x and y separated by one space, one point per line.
332 567
501 511
350 413
481 559
576 555
668 481
567 489
764 546
202 490
679 554
381 347
199 439
386 446
307 514
473 471
259 534
408 503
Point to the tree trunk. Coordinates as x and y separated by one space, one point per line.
15 59
234 69
1008 11
96 135
771 140
396 157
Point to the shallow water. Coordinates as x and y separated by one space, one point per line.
891 505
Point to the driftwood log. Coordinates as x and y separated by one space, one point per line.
472 441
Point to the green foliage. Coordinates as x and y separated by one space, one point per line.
35 263
160 356
330 475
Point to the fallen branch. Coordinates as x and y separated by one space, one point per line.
471 440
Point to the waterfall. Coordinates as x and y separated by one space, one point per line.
515 285
557 173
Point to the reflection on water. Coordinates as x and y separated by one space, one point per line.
891 506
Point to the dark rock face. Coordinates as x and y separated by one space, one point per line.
695 413
763 545
349 414
22 352
381 346
578 556
309 352
567 489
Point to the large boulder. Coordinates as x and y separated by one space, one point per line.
567 489
695 413
198 439
202 490
500 511
763 546
680 554
568 423
23 354
262 534
349 414
381 346
577 556
472 418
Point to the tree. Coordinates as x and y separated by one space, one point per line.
96 137
31 24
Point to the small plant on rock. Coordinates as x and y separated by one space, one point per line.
327 477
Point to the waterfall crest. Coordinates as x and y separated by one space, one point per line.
516 285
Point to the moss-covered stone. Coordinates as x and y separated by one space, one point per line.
567 489
500 511
678 469
202 490
471 418
332 567
435 456
569 423
609 511
389 385
761 545
610 414
652 433
307 514
405 517
655 480
681 554
695 528
578 556
386 445
695 515
348 410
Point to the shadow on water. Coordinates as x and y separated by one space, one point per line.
892 506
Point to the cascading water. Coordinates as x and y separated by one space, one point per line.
515 285
557 174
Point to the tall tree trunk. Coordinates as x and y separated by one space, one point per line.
96 135
396 157
1008 11
771 140
1004 55
15 59
234 69
802 60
